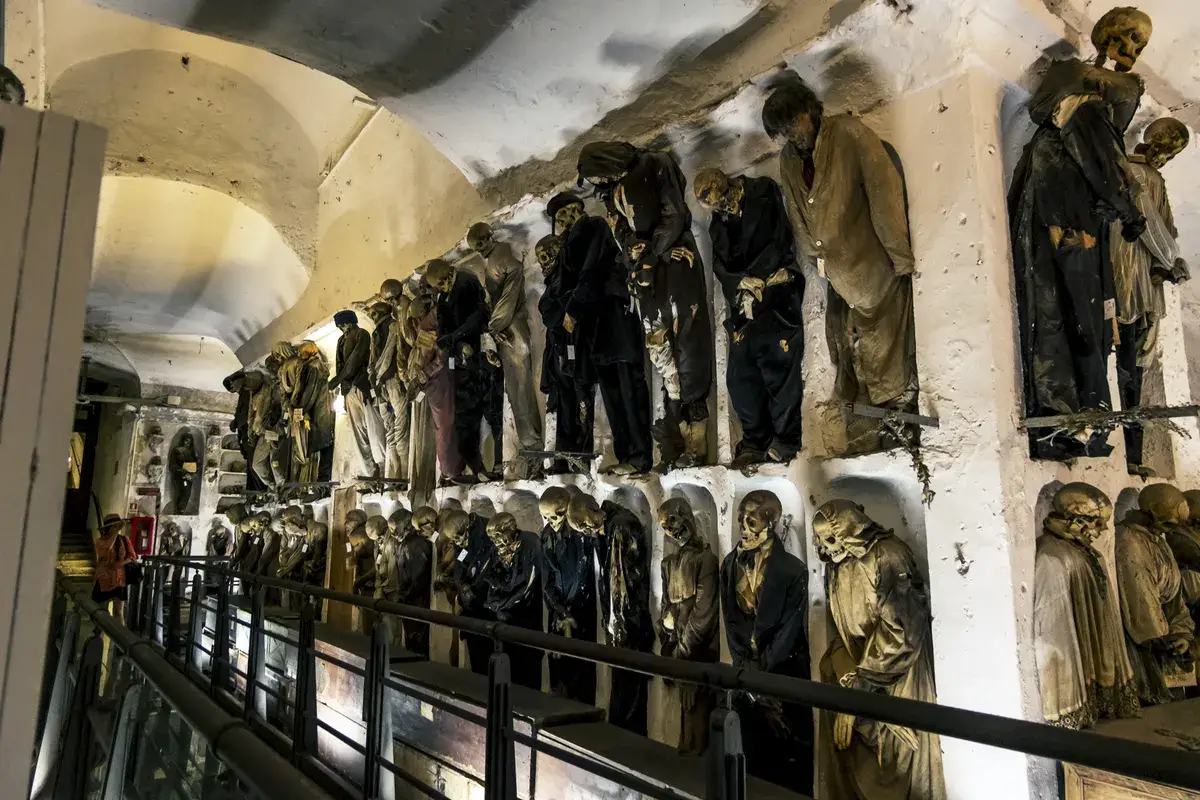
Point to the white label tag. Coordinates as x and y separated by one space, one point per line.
420 396
462 556
750 311
272 436
1110 308
258 539
349 547
570 352
450 363
304 549
821 266
632 302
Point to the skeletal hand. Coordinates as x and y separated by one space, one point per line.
781 277
492 358
843 731
753 286
467 351
684 254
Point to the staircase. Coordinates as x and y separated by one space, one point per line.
76 556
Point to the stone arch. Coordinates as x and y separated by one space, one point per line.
203 123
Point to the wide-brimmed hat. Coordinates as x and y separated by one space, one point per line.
111 520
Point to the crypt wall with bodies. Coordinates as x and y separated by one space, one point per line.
944 84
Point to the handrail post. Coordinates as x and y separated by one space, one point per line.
219 665
70 780
500 768
174 619
196 614
255 663
304 714
58 620
123 743
59 705
158 626
726 759
374 708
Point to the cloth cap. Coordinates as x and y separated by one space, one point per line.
345 318
605 159
561 201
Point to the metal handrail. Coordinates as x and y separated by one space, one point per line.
1127 757
252 760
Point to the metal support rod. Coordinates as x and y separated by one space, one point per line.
196 614
304 715
219 663
174 612
374 708
500 766
1134 759
255 668
74 764
1059 420
875 412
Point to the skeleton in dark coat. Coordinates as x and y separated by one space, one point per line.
353 379
462 316
463 550
569 587
644 192
764 599
847 201
597 313
883 643
623 553
754 259
568 377
514 591
1068 187
245 385
1159 630
690 618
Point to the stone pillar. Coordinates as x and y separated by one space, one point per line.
979 532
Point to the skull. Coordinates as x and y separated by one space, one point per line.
236 513
677 521
548 249
376 527
553 507
794 112
502 530
759 514
1193 501
293 518
1121 35
283 351
480 238
584 514
566 217
1081 511
453 524
439 275
1163 139
378 312
1165 503
424 519
837 527
400 522
356 518
308 350
717 192
261 522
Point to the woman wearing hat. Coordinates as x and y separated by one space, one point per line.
113 552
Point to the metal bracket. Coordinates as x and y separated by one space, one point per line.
1059 420
875 412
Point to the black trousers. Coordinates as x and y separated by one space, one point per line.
778 743
628 700
574 405
493 412
416 636
1129 384
627 403
575 678
470 404
766 387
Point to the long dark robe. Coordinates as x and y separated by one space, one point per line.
568 382
624 555
569 588
777 738
469 576
462 316
414 587
1070 178
314 399
514 596
691 626
651 198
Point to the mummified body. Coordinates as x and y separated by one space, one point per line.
1184 542
847 199
569 587
1159 631
465 551
764 599
1068 187
606 335
754 258
880 610
1140 267
690 621
1083 667
514 591
508 325
644 192
623 553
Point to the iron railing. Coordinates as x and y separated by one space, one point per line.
127 725
726 767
